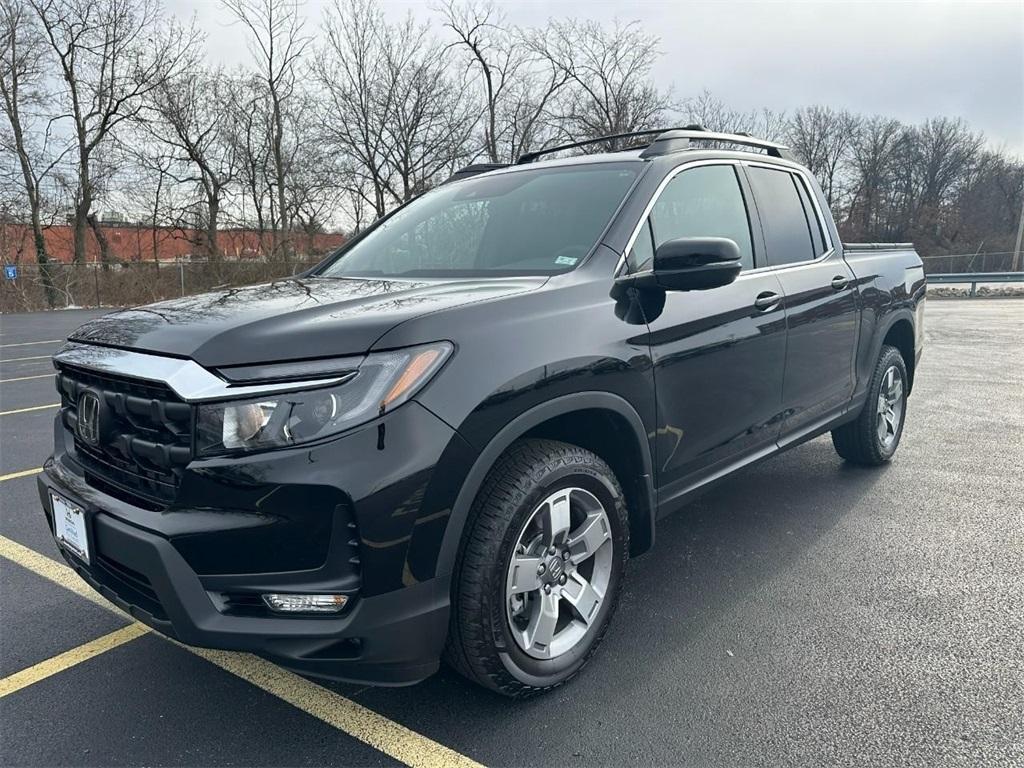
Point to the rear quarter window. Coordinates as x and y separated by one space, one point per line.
813 222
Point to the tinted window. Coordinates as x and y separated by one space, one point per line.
642 253
817 238
539 221
704 202
787 233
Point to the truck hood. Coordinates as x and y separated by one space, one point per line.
290 319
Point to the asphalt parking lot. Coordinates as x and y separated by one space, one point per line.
805 613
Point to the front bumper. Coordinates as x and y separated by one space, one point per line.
145 562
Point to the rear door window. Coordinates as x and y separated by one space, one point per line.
787 229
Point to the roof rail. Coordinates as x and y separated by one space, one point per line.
473 169
670 140
529 157
676 139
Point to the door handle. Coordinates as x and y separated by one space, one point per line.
766 300
839 282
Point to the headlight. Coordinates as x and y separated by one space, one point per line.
382 382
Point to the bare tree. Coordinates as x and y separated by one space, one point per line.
317 175
710 112
944 150
518 84
713 114
609 90
154 189
187 115
392 105
493 53
874 150
822 138
431 120
359 102
250 135
354 201
277 41
30 139
110 54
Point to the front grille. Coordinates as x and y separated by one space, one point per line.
145 434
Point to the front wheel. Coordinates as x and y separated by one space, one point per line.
872 438
540 570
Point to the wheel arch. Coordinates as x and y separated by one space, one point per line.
899 333
556 419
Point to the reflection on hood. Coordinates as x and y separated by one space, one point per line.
288 319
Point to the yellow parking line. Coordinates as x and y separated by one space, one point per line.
30 343
50 569
26 378
26 410
23 473
369 727
68 659
387 736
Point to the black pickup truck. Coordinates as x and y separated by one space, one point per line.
447 439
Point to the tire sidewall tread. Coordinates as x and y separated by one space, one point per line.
857 441
480 644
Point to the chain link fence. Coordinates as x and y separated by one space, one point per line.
131 283
969 262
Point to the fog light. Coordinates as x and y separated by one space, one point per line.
306 603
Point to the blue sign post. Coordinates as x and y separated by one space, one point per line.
11 271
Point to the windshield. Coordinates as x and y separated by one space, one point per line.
535 222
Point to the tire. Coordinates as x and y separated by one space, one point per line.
497 638
861 441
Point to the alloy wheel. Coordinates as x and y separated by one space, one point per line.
890 406
559 573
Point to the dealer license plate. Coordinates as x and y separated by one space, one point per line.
69 527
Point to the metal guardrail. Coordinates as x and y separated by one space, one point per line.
974 278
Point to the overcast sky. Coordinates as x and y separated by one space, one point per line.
908 60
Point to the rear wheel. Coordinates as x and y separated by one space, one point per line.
540 570
873 437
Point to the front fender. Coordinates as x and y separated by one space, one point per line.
518 427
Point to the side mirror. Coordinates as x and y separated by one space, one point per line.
693 264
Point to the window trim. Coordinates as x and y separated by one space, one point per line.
801 173
623 258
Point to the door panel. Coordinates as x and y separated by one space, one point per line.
718 366
821 303
719 354
822 323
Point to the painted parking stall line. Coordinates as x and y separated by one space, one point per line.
359 722
369 727
30 409
31 343
27 378
22 473
50 569
72 658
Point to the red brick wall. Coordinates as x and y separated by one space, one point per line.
132 243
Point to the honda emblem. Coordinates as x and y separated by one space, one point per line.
89 418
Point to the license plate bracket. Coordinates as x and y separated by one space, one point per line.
69 527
